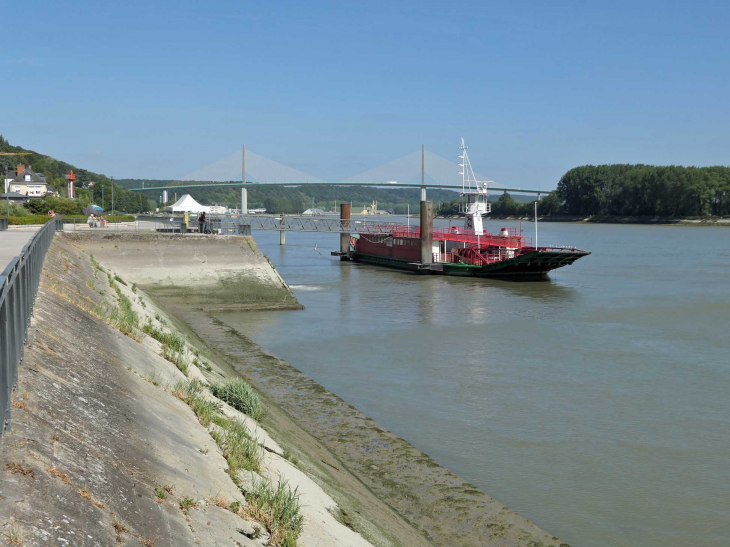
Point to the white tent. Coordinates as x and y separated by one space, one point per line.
187 204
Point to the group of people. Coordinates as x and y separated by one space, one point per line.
97 221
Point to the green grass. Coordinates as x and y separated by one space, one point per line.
117 278
240 395
160 493
186 504
124 321
288 455
174 340
207 411
179 359
278 508
240 449
187 390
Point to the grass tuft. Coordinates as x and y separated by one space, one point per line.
186 504
240 395
240 449
277 507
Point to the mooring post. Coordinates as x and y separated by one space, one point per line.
423 172
345 235
282 237
244 192
426 232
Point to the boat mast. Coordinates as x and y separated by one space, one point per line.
477 198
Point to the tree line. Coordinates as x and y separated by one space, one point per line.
626 191
645 190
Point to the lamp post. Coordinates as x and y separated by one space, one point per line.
112 196
7 198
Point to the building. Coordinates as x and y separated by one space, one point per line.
26 182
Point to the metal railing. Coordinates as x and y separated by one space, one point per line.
3 224
18 288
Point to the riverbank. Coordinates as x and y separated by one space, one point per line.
353 475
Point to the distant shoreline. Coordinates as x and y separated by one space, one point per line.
715 221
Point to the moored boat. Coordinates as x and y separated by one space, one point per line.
461 251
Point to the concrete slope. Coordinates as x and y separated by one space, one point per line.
101 453
211 272
392 493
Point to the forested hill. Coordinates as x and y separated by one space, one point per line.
285 199
55 170
645 190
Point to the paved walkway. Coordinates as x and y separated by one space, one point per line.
12 242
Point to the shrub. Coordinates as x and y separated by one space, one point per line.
240 395
28 219
16 209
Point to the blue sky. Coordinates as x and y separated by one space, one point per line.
158 89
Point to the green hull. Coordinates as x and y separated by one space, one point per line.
535 264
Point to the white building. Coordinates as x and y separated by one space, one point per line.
26 182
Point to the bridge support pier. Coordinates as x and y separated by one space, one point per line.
426 232
345 236
244 201
282 237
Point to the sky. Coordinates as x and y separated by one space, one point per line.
160 89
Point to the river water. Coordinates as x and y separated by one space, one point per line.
596 404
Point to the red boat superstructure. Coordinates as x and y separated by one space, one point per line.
467 251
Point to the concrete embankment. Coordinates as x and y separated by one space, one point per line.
97 435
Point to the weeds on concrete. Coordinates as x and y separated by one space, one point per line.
13 533
117 278
160 494
174 340
120 529
240 395
95 265
124 319
134 288
207 411
186 504
178 358
186 390
240 449
153 379
277 507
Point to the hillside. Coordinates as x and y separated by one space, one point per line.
55 170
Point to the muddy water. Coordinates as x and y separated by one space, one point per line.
596 404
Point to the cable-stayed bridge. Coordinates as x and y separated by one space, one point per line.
419 169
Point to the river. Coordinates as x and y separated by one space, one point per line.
596 404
